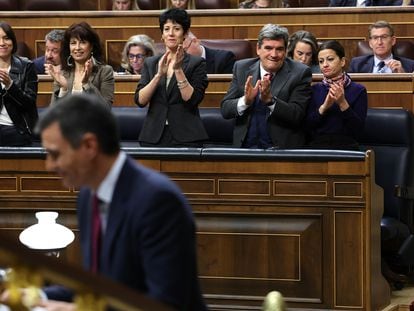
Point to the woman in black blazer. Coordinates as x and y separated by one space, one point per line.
172 85
18 92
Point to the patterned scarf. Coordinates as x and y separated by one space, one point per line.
344 79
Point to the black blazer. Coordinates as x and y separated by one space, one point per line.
366 64
219 61
167 104
20 98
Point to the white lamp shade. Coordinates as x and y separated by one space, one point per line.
46 234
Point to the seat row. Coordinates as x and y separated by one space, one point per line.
39 5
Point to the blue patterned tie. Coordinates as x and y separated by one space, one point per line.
381 66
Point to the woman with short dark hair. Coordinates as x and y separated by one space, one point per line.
172 85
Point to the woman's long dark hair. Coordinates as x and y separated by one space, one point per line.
81 31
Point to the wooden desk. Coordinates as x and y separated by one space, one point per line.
384 90
304 224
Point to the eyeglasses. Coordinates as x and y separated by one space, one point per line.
137 56
382 38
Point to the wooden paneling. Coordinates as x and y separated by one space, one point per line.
308 228
349 25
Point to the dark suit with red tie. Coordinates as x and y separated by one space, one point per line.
291 91
149 242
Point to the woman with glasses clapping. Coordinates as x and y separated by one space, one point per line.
135 51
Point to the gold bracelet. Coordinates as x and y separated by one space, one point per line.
182 86
182 82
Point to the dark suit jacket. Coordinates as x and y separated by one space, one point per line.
366 64
219 61
40 65
149 243
167 104
291 91
369 2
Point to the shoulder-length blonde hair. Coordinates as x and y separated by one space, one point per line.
142 41
134 5
190 5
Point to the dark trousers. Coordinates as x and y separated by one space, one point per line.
10 136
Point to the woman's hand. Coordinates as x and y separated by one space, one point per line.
5 78
57 75
87 70
328 102
163 64
336 94
179 57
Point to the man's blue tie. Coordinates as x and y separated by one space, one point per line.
381 66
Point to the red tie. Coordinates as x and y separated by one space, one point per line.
268 76
96 234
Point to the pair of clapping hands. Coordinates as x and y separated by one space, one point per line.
56 72
261 86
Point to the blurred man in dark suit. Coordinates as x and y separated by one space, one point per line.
135 225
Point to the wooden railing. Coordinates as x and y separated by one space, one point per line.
304 223
31 268
384 90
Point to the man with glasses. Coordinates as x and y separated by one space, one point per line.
381 41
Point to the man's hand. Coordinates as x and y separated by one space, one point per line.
395 66
250 91
265 90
